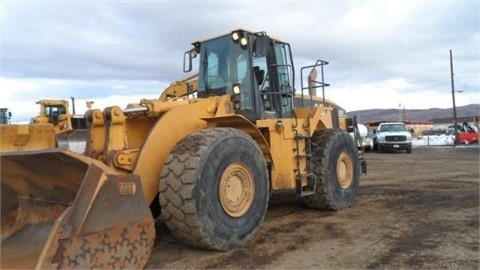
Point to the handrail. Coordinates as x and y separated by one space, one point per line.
322 84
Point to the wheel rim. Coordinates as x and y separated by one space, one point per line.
344 170
237 189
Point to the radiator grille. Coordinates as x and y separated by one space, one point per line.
395 138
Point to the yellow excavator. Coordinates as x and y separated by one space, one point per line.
211 150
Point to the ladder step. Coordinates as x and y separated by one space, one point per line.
309 189
309 177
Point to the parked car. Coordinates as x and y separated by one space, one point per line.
393 135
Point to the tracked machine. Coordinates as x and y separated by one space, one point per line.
53 127
211 151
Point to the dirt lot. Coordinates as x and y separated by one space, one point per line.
418 210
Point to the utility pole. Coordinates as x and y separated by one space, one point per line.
400 112
453 99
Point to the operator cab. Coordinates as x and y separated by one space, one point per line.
52 112
252 67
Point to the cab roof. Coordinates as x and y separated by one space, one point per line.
236 30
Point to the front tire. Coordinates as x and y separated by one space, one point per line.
214 189
336 164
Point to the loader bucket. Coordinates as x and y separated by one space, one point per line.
60 209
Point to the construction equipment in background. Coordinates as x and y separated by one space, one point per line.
5 116
54 126
57 112
70 129
211 160
39 134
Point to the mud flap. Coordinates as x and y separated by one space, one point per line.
352 127
63 210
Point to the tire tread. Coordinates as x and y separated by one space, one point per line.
177 188
322 145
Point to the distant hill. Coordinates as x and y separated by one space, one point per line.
372 115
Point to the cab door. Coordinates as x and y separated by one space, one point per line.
283 69
277 87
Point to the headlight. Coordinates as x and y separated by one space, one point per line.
236 89
243 41
236 97
235 36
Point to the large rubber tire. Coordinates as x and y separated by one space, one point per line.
336 164
200 174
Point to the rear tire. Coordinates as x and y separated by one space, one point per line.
336 164
214 189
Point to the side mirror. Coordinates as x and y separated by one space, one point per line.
374 131
261 46
187 61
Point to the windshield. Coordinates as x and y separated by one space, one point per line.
393 128
54 110
223 64
213 72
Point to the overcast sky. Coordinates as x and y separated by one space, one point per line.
381 53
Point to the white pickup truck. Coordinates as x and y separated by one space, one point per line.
393 135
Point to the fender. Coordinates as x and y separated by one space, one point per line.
173 126
240 122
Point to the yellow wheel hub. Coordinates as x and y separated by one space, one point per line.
237 189
344 170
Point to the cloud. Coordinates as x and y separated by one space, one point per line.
380 52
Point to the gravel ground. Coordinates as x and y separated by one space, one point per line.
418 210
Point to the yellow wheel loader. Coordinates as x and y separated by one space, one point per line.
54 126
210 151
